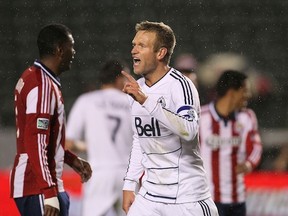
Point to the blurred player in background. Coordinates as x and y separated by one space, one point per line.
230 143
36 183
100 123
165 112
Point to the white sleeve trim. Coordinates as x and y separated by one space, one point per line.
130 185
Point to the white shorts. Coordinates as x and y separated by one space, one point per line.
144 207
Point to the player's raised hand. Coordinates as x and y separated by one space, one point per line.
133 89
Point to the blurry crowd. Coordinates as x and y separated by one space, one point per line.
206 73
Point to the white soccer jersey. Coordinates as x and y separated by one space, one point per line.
165 142
102 119
224 144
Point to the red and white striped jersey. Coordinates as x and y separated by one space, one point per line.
224 143
40 125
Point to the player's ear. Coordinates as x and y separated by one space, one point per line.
161 53
58 51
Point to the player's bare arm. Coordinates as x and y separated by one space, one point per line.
133 89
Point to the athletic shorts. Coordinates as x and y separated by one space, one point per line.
34 204
144 207
235 209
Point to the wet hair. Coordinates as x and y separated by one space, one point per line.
164 36
230 79
110 71
50 37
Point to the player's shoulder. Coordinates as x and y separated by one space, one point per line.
176 75
88 96
102 95
31 73
206 108
176 78
30 78
247 114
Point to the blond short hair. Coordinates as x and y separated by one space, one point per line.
164 36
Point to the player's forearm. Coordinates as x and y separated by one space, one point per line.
69 157
255 156
254 147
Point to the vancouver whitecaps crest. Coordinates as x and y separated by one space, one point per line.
161 100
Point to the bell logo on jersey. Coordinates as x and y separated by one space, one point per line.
148 130
42 123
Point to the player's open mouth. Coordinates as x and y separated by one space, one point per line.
136 61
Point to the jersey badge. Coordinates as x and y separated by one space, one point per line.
161 100
188 113
193 114
42 123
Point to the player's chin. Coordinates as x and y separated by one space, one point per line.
137 70
66 67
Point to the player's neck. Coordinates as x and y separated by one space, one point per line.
107 86
153 77
224 106
50 63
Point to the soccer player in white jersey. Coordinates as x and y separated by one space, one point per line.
165 113
230 142
101 119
